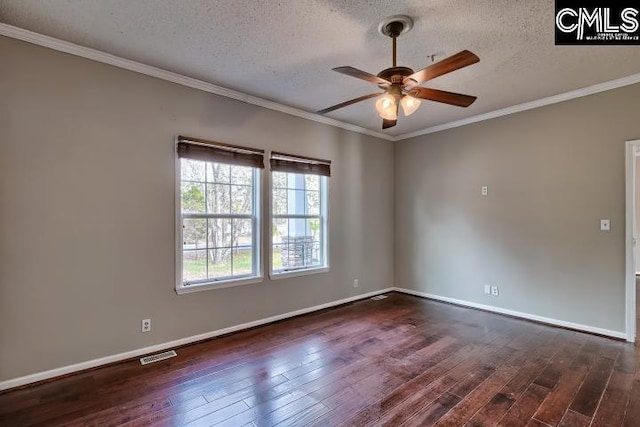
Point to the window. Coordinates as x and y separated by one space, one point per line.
219 224
298 214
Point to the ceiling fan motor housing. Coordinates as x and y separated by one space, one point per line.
395 75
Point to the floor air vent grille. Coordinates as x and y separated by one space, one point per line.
379 297
157 357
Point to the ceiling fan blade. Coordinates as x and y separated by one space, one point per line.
442 96
386 124
359 74
447 65
351 101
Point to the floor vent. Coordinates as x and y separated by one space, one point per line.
379 297
157 357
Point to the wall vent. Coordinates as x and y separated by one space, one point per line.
157 357
378 297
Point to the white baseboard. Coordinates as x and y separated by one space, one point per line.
28 379
541 319
40 376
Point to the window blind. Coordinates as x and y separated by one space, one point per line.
210 151
281 162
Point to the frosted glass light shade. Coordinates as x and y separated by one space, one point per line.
409 105
387 108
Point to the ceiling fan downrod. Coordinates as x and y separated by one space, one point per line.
394 29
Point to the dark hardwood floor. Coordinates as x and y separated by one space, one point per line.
398 361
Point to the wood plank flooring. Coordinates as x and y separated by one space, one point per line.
400 361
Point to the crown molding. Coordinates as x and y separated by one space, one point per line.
566 96
127 64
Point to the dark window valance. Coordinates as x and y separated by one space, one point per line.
282 162
210 151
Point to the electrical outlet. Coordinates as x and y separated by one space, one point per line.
356 283
487 289
146 325
494 291
485 190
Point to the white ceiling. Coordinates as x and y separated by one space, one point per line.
284 50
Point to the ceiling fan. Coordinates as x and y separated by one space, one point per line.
401 84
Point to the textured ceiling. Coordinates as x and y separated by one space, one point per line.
284 50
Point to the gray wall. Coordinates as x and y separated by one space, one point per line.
87 210
552 173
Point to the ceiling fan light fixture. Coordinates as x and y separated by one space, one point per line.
387 107
409 104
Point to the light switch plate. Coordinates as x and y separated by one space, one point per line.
605 225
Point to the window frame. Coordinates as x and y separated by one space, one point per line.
324 237
257 246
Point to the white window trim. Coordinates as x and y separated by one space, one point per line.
221 284
180 287
296 273
324 205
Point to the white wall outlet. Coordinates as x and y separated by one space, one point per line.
605 225
146 325
487 289
356 283
485 190
494 291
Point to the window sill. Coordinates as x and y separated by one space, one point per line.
181 290
295 273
